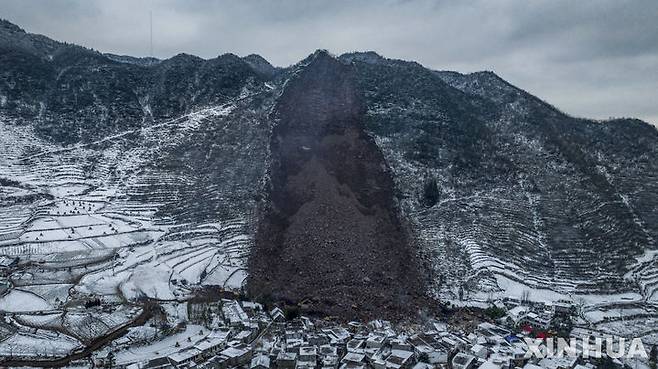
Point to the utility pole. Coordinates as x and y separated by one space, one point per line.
151 28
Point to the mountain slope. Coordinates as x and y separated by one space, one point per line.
528 193
71 93
350 185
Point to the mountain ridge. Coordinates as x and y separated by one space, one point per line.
488 189
13 36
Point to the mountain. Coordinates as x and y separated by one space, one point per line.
356 185
529 196
72 93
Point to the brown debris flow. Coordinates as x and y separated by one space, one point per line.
330 238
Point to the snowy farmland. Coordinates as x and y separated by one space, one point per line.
88 232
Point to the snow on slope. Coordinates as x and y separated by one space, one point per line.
95 205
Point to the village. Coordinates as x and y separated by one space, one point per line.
237 333
243 334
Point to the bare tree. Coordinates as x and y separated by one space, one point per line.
525 296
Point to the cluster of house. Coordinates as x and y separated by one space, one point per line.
306 344
243 335
537 315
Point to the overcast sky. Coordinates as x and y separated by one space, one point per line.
589 58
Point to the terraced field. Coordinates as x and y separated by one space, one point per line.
120 220
101 199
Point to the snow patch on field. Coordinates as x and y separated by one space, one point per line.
147 281
44 344
17 301
164 347
511 288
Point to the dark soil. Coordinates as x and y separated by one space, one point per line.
330 238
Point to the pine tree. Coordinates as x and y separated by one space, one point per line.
431 192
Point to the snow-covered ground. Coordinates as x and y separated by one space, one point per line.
187 338
42 344
82 207
86 223
17 301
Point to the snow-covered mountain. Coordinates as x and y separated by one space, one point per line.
529 197
356 185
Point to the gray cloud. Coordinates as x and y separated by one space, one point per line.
589 58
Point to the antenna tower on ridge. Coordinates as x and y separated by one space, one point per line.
151 26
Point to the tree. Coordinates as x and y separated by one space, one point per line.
653 357
110 360
431 192
562 325
606 363
494 312
525 296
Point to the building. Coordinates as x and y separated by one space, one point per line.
464 361
251 308
237 355
353 360
308 357
286 360
217 362
535 320
563 307
186 356
328 357
337 335
277 315
401 344
212 345
308 353
515 315
234 315
495 363
245 336
479 351
565 362
260 362
375 341
399 359
423 366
